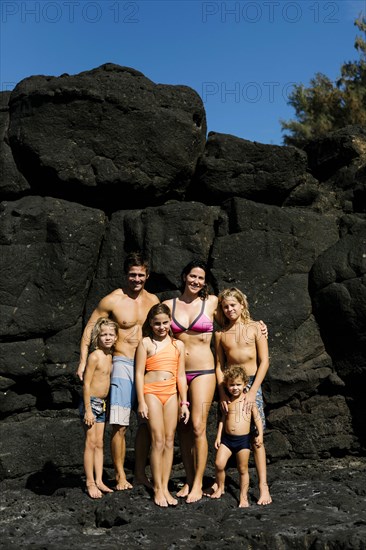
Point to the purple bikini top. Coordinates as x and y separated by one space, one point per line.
200 324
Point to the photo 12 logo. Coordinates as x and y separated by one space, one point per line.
268 11
70 11
248 92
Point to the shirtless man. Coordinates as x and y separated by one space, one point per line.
128 307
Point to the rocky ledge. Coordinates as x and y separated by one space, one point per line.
316 504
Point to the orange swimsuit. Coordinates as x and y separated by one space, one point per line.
166 359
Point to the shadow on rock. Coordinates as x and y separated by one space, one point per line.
50 479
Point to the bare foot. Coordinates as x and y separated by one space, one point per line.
143 481
93 490
160 500
211 490
264 495
184 491
194 496
217 494
243 502
102 487
170 499
123 485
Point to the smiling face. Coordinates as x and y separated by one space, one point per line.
136 278
232 308
195 280
160 325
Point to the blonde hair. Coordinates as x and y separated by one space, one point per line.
235 371
97 329
226 294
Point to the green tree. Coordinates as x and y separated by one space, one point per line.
325 106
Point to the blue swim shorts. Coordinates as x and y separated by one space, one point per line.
123 391
98 407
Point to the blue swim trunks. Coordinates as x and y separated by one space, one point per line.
98 407
235 443
123 391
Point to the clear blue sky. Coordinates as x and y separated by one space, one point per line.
240 56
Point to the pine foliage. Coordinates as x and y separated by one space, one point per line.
326 106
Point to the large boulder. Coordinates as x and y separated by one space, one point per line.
235 167
107 137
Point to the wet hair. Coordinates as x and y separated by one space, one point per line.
226 294
97 329
204 292
135 259
235 371
157 309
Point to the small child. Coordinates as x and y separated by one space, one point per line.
233 433
93 408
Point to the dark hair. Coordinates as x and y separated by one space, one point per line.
203 293
157 309
135 259
235 371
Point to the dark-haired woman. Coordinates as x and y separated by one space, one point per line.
192 323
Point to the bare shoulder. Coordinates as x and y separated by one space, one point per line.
152 298
111 298
211 304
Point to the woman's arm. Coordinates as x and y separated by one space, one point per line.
220 360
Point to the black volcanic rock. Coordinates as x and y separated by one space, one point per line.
98 164
234 167
119 137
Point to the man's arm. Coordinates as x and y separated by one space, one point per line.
89 418
103 310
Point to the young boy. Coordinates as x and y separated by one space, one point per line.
233 434
93 409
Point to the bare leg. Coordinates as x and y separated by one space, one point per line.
222 456
156 425
142 447
186 443
99 458
242 459
202 390
170 411
89 451
118 449
261 467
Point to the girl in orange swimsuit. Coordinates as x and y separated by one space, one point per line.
159 377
